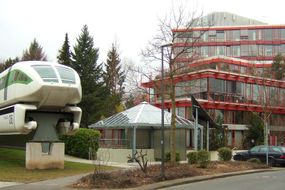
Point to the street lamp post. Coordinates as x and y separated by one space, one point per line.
162 109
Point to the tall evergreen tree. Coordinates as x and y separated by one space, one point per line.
84 61
8 63
114 78
64 56
35 52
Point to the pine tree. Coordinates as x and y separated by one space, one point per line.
114 78
35 52
84 61
8 63
64 56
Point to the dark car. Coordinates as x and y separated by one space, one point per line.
276 154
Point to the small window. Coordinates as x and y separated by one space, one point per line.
46 72
67 75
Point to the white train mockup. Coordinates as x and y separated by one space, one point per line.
34 91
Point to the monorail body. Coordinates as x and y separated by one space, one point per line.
30 88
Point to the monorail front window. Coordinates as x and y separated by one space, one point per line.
67 75
46 72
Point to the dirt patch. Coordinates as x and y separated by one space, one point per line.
135 177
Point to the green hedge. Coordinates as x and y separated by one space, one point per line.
203 158
78 144
192 157
168 157
225 154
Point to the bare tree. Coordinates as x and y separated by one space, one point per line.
169 33
266 96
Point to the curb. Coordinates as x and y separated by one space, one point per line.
182 181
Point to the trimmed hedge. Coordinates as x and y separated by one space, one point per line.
203 158
168 157
78 144
192 157
225 154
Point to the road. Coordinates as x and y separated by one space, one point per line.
259 181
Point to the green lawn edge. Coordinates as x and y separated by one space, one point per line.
12 168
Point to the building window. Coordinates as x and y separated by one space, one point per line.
267 34
260 50
221 50
282 49
236 51
244 50
212 51
252 50
204 37
252 34
204 51
220 36
180 111
282 33
268 50
236 35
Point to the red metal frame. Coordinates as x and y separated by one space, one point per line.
230 106
214 60
208 73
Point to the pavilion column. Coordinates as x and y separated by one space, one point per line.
196 130
134 143
202 137
208 135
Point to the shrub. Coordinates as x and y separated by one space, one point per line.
225 154
254 160
79 144
203 158
168 157
192 157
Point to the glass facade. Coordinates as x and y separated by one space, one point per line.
256 42
230 86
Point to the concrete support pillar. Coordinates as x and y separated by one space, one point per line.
44 155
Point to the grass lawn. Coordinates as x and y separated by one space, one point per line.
12 168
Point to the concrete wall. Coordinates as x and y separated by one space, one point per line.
214 154
120 155
37 159
180 143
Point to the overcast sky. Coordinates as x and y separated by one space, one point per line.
132 23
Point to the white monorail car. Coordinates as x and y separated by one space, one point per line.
33 87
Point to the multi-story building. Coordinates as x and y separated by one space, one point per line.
231 75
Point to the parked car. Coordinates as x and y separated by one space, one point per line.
276 154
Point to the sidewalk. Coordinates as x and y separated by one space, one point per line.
114 164
53 184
